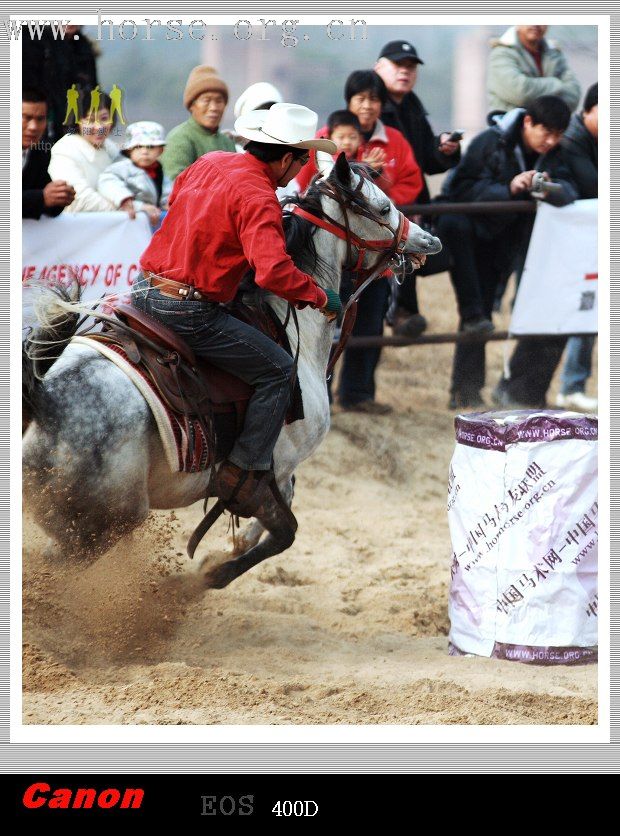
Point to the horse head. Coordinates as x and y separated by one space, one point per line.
371 214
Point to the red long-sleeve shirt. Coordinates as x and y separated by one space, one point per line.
400 179
223 218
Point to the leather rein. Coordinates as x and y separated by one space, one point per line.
390 247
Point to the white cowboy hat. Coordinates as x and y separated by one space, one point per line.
283 124
256 95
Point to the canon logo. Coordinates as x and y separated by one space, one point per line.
42 795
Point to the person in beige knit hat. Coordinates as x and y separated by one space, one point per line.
206 97
201 79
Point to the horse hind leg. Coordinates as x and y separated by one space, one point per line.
83 531
83 510
281 526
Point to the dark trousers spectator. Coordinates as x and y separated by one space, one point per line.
478 263
357 378
407 293
478 267
531 368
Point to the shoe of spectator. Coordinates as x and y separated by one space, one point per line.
501 398
578 401
412 326
396 314
368 406
477 325
465 400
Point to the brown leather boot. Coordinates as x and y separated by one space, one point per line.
241 491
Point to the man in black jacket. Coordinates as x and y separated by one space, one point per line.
40 195
398 67
533 363
53 64
500 165
579 146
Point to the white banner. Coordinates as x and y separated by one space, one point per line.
558 289
101 249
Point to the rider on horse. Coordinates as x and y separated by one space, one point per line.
223 220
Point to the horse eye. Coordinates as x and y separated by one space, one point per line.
385 210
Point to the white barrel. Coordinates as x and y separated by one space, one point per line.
523 516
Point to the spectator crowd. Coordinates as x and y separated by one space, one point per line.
540 130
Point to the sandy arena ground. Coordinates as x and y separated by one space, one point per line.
349 626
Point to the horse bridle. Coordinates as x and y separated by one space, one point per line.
393 249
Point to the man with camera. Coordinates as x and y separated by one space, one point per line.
512 160
533 362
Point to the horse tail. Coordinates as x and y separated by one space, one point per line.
30 390
58 321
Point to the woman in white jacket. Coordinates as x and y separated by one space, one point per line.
79 159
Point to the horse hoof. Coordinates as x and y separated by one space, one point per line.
219 577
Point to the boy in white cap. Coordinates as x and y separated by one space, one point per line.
259 96
223 220
138 182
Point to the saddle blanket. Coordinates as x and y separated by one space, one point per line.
174 434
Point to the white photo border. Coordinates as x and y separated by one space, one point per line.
303 749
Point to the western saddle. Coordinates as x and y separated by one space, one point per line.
191 386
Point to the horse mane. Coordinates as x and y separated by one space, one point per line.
299 233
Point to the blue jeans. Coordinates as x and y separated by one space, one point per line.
242 350
577 365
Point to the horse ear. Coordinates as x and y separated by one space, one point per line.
324 163
343 172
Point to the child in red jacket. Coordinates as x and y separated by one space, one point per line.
383 149
345 130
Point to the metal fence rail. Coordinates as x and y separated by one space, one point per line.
434 339
483 208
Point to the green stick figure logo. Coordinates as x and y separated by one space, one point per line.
95 100
116 97
72 104
116 107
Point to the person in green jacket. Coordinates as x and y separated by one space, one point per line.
206 97
523 65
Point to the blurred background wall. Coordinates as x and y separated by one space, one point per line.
451 83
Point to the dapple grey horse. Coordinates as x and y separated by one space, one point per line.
93 462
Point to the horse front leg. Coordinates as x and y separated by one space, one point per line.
281 526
